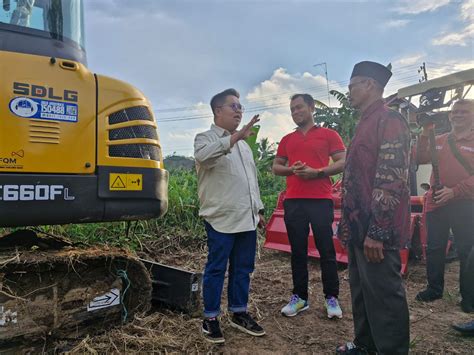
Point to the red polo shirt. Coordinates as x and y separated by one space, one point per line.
313 148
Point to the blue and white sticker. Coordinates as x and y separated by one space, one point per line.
44 109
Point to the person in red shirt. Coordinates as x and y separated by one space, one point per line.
303 156
375 217
452 205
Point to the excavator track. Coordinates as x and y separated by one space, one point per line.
51 289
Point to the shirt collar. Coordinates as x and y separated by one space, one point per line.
314 126
221 132
374 106
467 135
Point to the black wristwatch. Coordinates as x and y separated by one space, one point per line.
321 174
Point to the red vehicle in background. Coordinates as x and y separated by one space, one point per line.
435 97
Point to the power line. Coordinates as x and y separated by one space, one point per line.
279 104
277 94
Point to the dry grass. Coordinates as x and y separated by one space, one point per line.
311 332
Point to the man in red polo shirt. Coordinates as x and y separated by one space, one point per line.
303 157
452 205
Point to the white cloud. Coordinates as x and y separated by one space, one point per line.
409 60
273 95
282 85
462 38
414 7
270 99
467 10
396 23
449 67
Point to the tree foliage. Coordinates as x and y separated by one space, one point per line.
342 119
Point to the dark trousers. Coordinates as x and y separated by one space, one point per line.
238 251
459 217
469 289
379 304
299 215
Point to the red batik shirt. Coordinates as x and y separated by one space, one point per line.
375 183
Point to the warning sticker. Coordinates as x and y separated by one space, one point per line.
111 298
125 182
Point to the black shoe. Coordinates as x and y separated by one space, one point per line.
351 349
212 331
428 295
244 322
466 306
466 328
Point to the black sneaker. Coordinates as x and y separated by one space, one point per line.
212 331
244 322
466 328
351 349
428 295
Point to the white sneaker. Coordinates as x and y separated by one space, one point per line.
295 306
332 307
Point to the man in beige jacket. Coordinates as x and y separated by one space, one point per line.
232 210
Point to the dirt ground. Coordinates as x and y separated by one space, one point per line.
309 332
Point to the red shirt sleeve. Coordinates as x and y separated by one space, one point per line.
336 144
281 151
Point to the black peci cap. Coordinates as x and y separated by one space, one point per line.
376 71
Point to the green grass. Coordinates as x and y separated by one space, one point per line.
182 218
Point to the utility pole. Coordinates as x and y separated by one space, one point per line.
424 76
327 80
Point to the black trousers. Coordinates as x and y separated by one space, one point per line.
379 305
469 289
299 215
459 217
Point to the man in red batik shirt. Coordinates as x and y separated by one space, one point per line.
375 217
451 206
303 157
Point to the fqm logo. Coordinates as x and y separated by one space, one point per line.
8 160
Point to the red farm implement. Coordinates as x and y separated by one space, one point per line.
277 238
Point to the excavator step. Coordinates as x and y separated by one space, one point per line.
175 288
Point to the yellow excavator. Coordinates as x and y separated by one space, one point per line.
75 147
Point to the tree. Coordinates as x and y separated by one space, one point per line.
342 119
265 154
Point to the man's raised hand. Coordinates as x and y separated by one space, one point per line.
246 131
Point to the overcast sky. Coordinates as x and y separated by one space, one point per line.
181 52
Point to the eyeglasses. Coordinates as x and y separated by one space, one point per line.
235 107
351 86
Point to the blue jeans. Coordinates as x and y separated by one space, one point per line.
237 249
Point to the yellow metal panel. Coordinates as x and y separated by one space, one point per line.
116 95
52 143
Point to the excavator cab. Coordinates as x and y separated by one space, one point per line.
75 147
